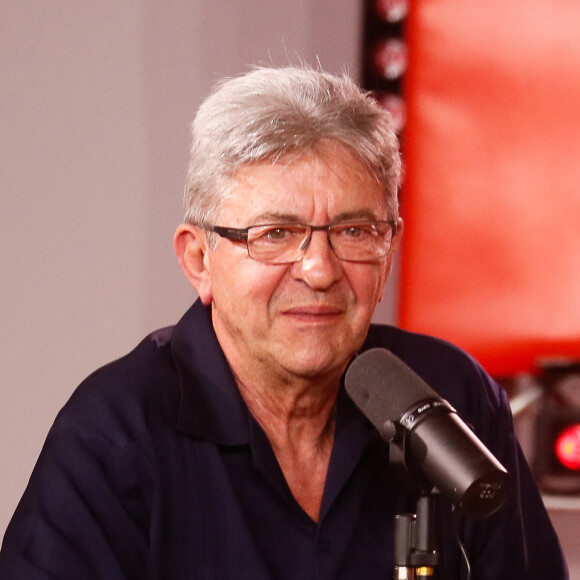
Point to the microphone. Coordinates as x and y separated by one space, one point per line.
437 445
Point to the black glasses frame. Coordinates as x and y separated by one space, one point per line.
241 234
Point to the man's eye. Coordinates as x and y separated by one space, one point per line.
356 232
353 232
277 234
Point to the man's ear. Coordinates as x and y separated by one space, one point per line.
399 236
190 245
391 256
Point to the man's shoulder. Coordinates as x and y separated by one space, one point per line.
139 367
448 369
418 350
128 396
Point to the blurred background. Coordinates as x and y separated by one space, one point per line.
96 99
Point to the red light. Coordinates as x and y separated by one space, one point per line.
392 10
568 447
390 58
396 106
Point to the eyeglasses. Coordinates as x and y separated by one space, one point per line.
286 243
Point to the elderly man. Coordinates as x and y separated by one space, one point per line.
225 447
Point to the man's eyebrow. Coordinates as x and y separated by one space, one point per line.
357 215
276 218
290 218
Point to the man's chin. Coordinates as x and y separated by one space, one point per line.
308 362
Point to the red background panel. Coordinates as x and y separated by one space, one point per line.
491 202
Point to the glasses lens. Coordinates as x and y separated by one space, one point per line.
286 243
361 242
277 244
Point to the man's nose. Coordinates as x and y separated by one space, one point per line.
319 266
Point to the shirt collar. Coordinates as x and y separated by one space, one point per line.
211 406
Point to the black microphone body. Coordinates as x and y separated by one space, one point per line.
437 445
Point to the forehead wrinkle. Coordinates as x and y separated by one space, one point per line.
329 157
363 214
277 217
274 217
298 174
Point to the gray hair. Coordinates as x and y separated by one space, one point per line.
270 113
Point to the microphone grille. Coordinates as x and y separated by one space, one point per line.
383 386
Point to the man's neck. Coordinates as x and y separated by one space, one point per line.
299 421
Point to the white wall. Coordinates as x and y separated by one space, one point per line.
73 210
96 98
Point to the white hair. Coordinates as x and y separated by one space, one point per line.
269 113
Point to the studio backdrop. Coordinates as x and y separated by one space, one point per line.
491 199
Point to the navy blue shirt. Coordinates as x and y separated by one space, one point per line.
155 469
